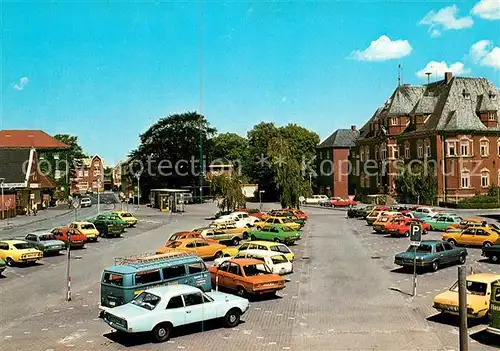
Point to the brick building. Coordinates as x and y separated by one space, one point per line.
333 163
87 175
452 123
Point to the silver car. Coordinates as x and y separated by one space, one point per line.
45 241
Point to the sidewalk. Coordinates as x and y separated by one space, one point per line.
43 215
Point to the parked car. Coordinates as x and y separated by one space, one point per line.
494 312
85 202
316 199
201 247
431 254
230 228
277 233
244 219
286 214
478 296
492 253
159 310
220 234
45 241
3 265
422 212
127 217
278 263
401 226
474 236
299 213
260 245
379 226
109 225
77 241
18 251
360 212
279 220
342 203
465 223
246 276
195 234
441 222
86 228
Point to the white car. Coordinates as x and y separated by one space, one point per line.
237 219
159 310
85 202
275 261
316 199
244 217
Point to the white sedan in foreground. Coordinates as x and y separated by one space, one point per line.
159 310
277 262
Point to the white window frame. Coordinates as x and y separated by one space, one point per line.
407 149
465 176
491 116
362 154
393 121
383 151
427 149
485 178
484 147
449 145
420 149
465 145
498 147
80 174
375 152
367 152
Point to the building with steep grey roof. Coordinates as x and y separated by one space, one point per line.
452 123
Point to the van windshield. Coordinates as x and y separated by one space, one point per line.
146 300
112 278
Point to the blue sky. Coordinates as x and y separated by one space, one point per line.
106 72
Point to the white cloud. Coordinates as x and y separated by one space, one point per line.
22 83
487 9
445 19
383 49
492 59
480 49
438 69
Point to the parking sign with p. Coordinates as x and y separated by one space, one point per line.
415 234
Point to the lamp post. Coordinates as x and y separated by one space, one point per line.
98 197
2 180
138 176
260 198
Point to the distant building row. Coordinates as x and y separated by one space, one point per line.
452 123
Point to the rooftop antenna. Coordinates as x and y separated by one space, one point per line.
399 75
429 74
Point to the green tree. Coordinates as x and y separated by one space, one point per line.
288 172
229 190
169 151
231 147
416 183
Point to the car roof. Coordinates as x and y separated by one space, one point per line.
264 243
432 242
81 222
174 290
38 233
265 253
245 261
483 277
13 241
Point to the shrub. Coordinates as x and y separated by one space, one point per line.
478 205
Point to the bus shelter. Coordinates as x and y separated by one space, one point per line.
168 200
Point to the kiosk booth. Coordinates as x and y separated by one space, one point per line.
168 200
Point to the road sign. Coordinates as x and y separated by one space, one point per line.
415 234
302 199
76 204
351 197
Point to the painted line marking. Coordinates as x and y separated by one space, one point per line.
272 342
85 305
45 329
7 336
26 333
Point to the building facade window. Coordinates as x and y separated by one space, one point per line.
362 154
407 149
85 173
465 179
452 148
383 151
427 148
367 152
80 174
498 147
393 121
375 152
485 178
484 147
491 116
394 151
464 148
420 149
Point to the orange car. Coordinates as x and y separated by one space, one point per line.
299 214
467 222
187 235
201 247
380 224
246 276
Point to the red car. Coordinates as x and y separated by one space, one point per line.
343 203
78 239
401 226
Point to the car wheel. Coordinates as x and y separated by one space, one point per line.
161 332
241 292
245 235
494 258
407 233
452 242
462 259
487 244
236 241
9 261
258 227
252 237
232 318
424 231
276 240
435 265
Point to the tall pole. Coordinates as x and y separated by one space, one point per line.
98 198
414 271
201 164
2 180
200 58
462 308
138 190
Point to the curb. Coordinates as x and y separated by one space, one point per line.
327 208
36 221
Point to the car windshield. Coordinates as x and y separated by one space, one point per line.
146 300
88 226
384 219
46 237
285 229
255 269
473 288
22 246
174 244
279 259
112 278
280 248
126 215
423 248
287 220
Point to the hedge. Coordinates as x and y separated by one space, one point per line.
477 205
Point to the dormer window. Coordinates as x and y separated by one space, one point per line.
493 96
393 121
466 95
491 116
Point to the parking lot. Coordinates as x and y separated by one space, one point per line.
343 295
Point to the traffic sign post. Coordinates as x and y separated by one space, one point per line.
76 205
415 240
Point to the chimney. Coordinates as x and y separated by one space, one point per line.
353 128
448 76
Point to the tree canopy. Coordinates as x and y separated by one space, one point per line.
416 183
230 147
228 191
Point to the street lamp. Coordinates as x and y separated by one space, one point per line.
98 197
2 180
260 198
138 176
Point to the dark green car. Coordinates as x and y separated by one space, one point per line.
360 212
109 225
276 233
432 254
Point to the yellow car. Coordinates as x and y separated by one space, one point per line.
287 222
86 228
260 245
126 217
479 288
18 251
473 236
199 246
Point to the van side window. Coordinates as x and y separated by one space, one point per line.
147 277
113 279
196 267
175 302
174 272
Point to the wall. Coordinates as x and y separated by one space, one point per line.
340 173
